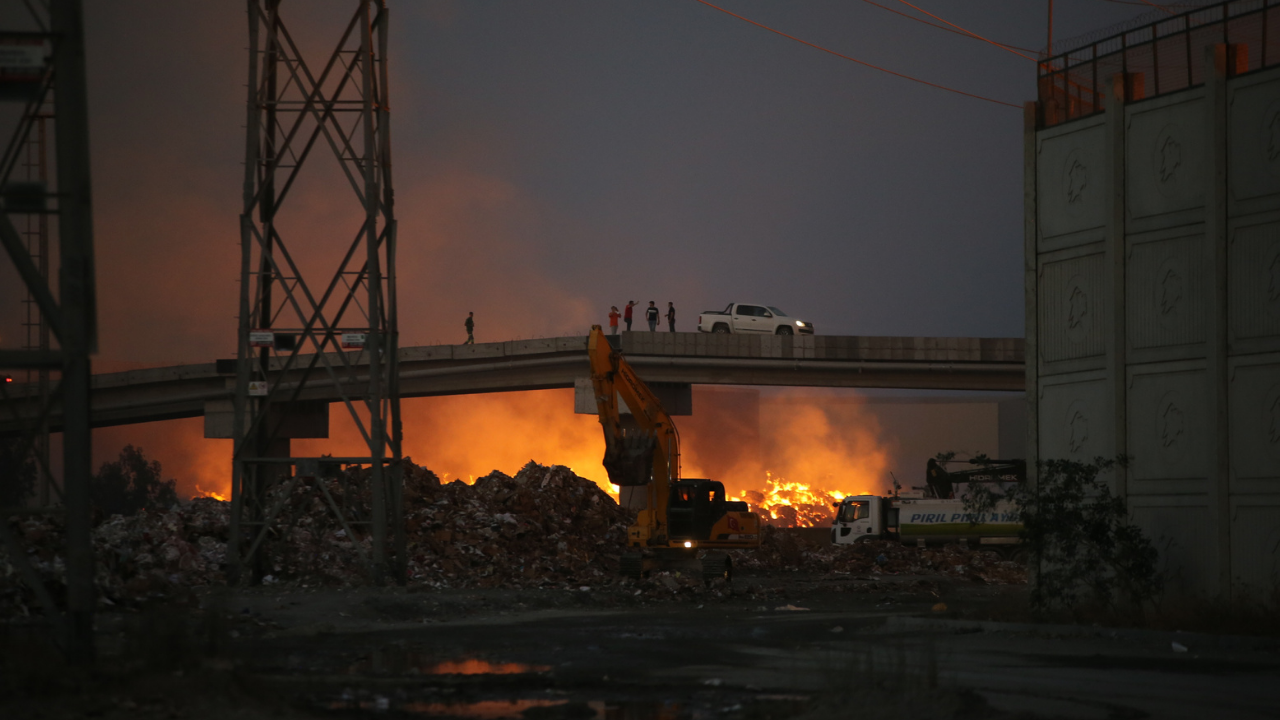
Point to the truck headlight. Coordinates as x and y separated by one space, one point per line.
800 323
688 544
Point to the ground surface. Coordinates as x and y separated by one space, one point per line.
778 645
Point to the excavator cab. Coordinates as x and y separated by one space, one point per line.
696 507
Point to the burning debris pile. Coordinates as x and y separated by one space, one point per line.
545 526
788 551
784 503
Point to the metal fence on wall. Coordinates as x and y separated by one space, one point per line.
1158 58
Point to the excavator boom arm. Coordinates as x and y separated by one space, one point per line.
649 456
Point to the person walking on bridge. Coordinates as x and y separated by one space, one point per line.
671 316
613 319
626 314
471 329
651 314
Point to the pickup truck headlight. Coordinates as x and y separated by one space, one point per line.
800 323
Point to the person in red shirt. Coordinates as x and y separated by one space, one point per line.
627 313
613 319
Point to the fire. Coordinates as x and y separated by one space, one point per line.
817 449
465 437
209 494
784 503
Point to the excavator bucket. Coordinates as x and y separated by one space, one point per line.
629 459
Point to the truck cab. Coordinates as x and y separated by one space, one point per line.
860 517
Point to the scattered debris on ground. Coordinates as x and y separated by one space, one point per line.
790 551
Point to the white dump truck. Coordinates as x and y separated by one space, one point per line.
934 514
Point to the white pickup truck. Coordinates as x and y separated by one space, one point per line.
744 318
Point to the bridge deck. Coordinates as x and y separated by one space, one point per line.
695 358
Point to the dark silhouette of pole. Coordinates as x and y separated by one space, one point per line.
78 310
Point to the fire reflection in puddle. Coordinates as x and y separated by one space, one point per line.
524 709
489 709
401 661
481 667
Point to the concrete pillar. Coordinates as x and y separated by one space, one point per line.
1030 274
1216 63
1115 251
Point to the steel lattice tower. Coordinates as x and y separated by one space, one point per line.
53 205
291 338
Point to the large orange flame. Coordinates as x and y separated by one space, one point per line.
817 452
200 492
783 503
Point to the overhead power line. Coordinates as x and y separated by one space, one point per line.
922 21
855 60
1002 46
1159 7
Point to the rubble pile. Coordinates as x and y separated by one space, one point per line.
787 551
149 554
545 526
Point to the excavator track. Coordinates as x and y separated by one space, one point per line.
632 566
717 566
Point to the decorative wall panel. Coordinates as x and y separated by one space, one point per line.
1179 528
1072 308
1253 139
1168 428
1254 283
1165 298
1071 184
1255 546
1165 147
1254 407
1075 418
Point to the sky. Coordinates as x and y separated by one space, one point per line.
555 158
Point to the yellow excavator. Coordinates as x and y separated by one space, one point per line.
682 518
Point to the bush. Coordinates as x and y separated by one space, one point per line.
130 484
1085 549
17 474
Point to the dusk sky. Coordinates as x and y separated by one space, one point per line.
554 158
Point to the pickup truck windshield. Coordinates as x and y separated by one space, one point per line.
776 311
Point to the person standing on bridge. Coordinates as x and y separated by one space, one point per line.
651 314
613 319
626 315
671 316
470 324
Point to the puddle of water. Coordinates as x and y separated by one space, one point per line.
482 667
402 661
483 710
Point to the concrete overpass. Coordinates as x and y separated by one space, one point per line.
665 358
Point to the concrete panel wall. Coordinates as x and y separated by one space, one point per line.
1168 428
1071 176
1072 298
1255 424
1166 294
1254 280
1180 528
1255 546
1165 170
1254 143
1076 421
1156 298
